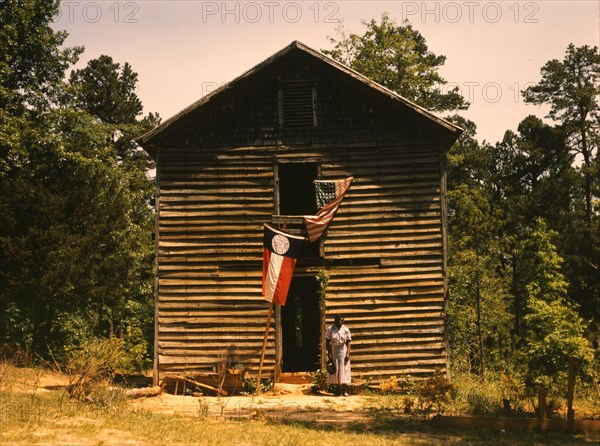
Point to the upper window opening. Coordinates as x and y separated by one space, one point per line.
297 104
297 189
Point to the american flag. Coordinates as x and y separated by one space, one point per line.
329 196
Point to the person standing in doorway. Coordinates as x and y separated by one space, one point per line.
338 340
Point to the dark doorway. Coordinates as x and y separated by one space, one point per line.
301 327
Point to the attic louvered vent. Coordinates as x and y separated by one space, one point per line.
297 105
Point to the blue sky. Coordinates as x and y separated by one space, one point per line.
183 49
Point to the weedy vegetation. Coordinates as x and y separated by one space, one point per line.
33 414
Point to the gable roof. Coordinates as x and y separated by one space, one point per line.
299 46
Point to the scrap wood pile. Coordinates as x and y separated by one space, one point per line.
179 384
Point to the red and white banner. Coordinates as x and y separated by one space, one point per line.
333 191
280 252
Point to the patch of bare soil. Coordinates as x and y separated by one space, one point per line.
285 402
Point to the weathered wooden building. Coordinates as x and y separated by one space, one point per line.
247 154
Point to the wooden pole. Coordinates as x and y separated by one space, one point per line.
264 346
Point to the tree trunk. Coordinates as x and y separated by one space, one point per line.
587 164
479 333
571 390
542 408
506 406
144 393
480 336
516 303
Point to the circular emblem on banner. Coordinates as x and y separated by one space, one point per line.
281 244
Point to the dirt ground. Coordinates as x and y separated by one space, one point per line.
285 401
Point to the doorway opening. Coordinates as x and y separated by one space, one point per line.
301 327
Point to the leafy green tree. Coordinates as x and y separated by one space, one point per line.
32 65
106 90
554 330
75 221
544 278
467 160
479 316
535 174
75 252
397 57
532 176
572 88
32 60
556 334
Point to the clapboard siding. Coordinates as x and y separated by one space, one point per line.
211 211
213 204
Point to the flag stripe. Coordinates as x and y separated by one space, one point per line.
284 280
273 272
267 282
316 224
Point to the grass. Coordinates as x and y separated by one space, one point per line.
44 419
30 415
